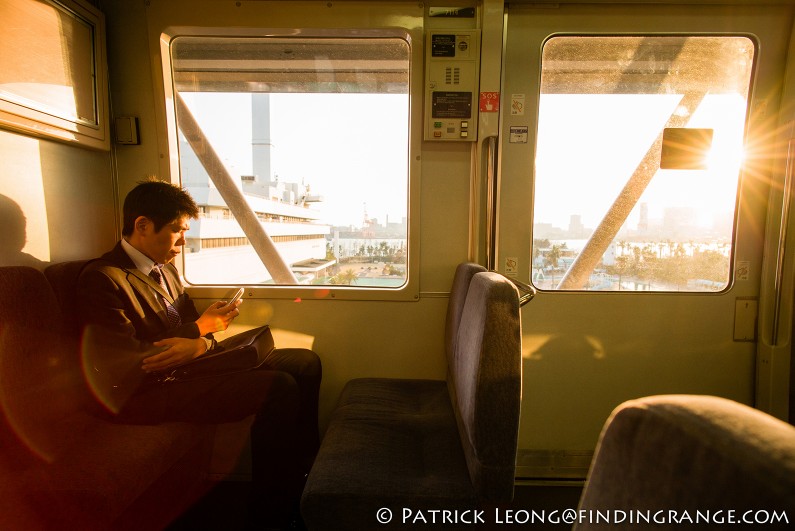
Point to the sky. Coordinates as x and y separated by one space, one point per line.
350 148
589 146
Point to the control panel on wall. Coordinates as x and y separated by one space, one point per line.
452 67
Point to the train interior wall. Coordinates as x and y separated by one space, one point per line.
70 196
59 197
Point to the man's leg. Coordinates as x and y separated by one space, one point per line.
304 366
272 396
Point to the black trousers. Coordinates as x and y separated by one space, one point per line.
282 393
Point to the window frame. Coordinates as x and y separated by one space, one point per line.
46 120
409 291
731 279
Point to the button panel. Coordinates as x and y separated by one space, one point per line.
452 129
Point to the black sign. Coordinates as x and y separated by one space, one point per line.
442 45
451 105
451 12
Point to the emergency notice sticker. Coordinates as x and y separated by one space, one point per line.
518 134
489 102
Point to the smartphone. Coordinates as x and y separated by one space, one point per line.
236 297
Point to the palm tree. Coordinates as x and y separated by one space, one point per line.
552 258
623 246
345 278
621 267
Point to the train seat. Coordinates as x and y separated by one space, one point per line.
427 444
61 465
688 454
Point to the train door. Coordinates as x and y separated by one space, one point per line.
635 162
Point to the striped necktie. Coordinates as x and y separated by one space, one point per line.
173 315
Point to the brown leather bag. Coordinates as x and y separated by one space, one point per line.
241 352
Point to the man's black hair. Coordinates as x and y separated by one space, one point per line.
159 201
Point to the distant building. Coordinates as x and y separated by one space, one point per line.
680 222
643 222
283 208
576 228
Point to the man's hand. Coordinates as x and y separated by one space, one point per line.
178 350
217 317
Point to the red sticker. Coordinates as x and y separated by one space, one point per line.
489 102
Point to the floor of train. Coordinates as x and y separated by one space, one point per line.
224 507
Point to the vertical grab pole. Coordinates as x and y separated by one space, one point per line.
782 239
491 203
484 216
774 368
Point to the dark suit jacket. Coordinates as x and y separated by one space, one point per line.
122 316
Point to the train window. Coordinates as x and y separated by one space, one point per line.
296 150
52 80
607 214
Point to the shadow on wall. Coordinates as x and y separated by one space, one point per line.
14 236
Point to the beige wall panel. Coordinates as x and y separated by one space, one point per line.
353 338
64 194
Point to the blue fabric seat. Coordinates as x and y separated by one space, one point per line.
429 444
63 465
682 455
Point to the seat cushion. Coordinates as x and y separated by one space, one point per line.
95 480
390 444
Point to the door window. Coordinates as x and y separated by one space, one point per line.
638 156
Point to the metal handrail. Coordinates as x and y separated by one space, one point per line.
526 291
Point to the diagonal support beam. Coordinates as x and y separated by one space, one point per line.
591 255
252 228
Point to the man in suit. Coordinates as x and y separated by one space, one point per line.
139 321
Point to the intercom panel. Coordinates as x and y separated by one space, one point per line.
452 77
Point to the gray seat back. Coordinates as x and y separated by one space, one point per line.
458 295
39 365
63 276
686 454
485 383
